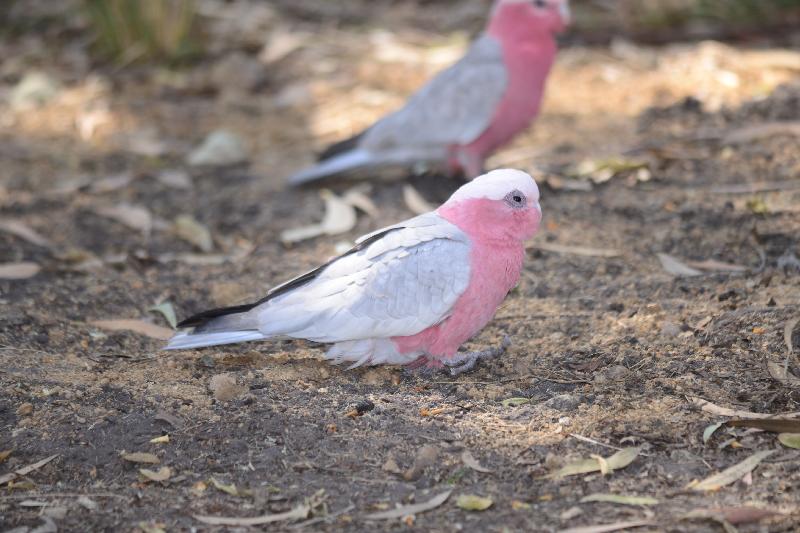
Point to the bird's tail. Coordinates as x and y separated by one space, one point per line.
217 327
336 165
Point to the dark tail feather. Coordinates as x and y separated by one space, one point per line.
340 147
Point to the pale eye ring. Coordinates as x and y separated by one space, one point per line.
516 199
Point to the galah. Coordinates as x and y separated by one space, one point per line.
465 113
408 294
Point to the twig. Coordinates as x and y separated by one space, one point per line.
24 471
29 495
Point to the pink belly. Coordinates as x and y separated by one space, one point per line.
495 271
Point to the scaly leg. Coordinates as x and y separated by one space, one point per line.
465 362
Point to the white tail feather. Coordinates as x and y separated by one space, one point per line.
339 164
188 341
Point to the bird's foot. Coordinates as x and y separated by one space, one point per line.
465 362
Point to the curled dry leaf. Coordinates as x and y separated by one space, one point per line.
4 455
733 473
167 311
18 271
780 372
163 474
620 499
163 439
111 183
24 471
137 326
714 409
471 502
609 528
132 216
619 460
415 202
733 516
774 425
176 179
298 513
584 251
193 232
406 510
716 266
228 489
18 229
790 440
141 457
357 197
762 131
709 431
513 402
340 217
469 460
677 268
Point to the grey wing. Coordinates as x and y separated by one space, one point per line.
400 285
455 107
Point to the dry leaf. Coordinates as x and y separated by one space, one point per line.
298 513
470 502
788 331
709 431
141 457
470 461
111 183
177 179
415 202
709 407
426 456
137 326
619 460
584 251
228 489
163 474
774 425
135 217
758 187
733 473
357 197
609 528
193 232
340 217
732 515
167 311
676 267
715 266
406 510
780 372
4 455
762 131
790 440
24 471
513 402
163 439
18 229
18 271
619 498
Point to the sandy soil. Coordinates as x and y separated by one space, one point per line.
609 349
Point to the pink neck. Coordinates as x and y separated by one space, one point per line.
512 23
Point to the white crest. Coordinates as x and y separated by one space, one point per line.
496 185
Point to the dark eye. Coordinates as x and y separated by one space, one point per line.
516 199
540 3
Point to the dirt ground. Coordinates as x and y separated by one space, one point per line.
609 348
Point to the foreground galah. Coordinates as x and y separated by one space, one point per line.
411 293
459 118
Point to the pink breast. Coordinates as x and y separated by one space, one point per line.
528 65
496 263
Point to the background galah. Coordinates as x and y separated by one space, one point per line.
411 293
469 110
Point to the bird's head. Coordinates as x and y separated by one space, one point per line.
502 205
532 16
